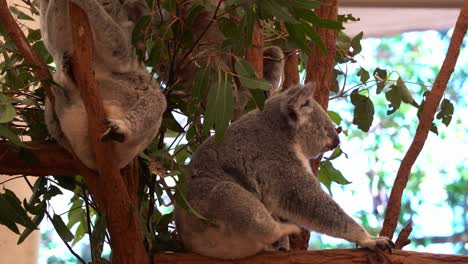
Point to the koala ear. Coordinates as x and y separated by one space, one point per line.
298 103
273 68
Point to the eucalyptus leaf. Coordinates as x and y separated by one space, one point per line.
363 111
7 111
61 228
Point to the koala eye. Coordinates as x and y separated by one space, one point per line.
306 103
292 115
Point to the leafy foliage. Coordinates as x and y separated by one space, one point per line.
200 89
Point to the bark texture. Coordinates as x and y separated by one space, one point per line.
320 64
335 256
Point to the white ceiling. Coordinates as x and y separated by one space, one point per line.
385 22
380 18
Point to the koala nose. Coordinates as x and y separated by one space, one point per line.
335 141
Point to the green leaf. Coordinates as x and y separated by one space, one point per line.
298 37
220 105
20 14
363 74
248 23
258 97
7 111
36 220
363 111
171 123
356 43
17 212
380 76
335 117
304 4
80 232
202 81
277 9
98 235
5 132
314 36
51 192
394 98
62 229
406 95
446 112
328 174
248 78
310 16
76 214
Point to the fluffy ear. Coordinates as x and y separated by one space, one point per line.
273 68
298 103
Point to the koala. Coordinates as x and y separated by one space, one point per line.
133 102
259 170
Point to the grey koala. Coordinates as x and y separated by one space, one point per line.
259 169
133 102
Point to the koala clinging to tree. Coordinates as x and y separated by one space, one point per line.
261 168
133 102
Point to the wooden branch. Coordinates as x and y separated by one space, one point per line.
254 53
320 65
17 35
430 107
335 256
291 71
42 159
455 238
402 239
108 186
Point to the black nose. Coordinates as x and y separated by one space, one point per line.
335 142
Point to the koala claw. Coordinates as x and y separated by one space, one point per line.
378 243
116 130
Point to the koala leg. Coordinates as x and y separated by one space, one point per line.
283 243
306 204
241 225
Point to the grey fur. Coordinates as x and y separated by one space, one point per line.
133 102
259 169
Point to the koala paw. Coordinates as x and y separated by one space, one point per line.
116 130
377 243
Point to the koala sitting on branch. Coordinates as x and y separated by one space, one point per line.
261 168
133 102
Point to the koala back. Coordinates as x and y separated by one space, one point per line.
290 130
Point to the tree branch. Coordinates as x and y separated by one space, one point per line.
430 107
108 186
335 256
254 53
42 159
455 238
